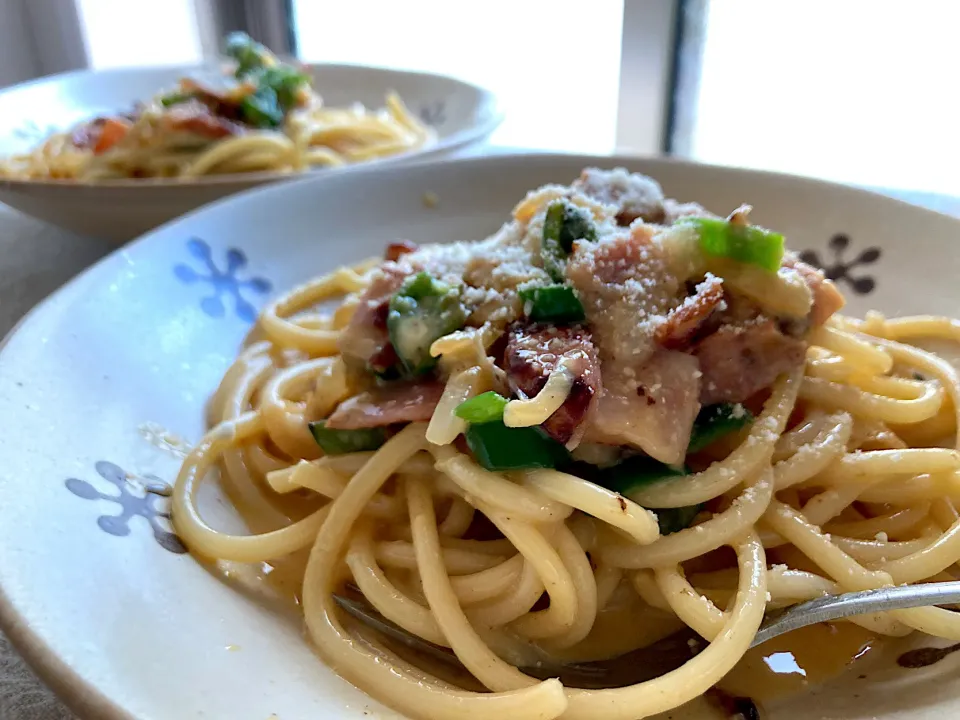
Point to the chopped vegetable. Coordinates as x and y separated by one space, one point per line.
636 472
277 87
249 54
497 447
563 225
261 108
553 303
715 421
286 81
175 98
744 243
112 132
422 311
673 520
483 408
339 442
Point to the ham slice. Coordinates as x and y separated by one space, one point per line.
826 298
365 342
535 351
651 408
397 402
197 119
740 360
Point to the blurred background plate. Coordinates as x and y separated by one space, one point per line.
461 113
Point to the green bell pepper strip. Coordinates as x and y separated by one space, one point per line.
483 408
673 520
636 472
498 447
422 311
563 224
340 442
249 54
743 243
715 421
552 303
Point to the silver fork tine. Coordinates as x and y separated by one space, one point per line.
672 651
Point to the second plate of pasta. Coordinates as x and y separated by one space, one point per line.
114 153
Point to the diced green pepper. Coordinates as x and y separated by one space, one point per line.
277 85
483 408
497 447
176 98
563 224
673 520
285 81
715 421
339 442
742 243
262 109
249 54
422 311
636 472
553 303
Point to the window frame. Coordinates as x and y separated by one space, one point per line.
651 38
648 54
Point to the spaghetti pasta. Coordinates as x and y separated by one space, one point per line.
509 497
269 120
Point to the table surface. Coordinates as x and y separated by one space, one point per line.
36 259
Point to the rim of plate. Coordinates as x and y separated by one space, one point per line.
88 700
488 100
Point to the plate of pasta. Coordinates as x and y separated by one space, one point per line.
579 410
115 153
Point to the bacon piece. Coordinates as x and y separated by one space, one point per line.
634 195
397 250
625 286
196 118
365 341
683 323
87 135
397 402
533 352
651 408
826 298
740 360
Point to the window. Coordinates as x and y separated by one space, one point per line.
167 32
856 91
555 67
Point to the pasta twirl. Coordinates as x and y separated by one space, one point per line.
504 444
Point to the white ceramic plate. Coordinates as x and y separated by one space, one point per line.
93 588
119 210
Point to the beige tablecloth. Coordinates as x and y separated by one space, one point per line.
36 259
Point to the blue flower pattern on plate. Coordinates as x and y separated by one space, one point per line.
434 113
223 282
131 504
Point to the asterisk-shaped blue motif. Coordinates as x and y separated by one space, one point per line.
434 113
223 282
131 505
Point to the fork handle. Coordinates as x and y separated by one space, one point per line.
834 607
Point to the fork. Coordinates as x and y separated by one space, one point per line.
674 650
